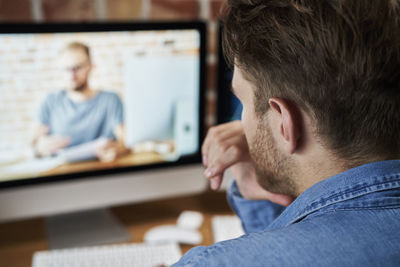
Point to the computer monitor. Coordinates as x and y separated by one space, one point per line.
147 81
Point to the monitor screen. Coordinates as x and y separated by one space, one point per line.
82 100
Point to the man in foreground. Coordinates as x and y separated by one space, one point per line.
319 82
78 114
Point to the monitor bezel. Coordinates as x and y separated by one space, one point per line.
200 26
224 92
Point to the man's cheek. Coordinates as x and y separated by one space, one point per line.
250 135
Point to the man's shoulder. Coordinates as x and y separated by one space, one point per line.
56 96
323 240
108 94
109 99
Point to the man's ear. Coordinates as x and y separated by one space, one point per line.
286 116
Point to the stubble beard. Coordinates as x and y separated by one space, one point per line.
80 87
273 169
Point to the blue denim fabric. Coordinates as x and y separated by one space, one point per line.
350 219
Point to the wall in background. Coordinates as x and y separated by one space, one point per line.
125 10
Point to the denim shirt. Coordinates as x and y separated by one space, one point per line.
350 219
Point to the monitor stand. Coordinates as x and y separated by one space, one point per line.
86 228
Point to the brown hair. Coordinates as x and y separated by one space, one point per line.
78 46
339 60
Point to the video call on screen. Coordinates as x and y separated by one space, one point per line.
145 81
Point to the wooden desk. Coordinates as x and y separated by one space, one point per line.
131 159
19 240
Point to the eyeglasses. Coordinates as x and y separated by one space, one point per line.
77 67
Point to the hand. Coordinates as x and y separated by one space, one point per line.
48 145
107 151
226 146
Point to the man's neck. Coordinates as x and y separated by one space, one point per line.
318 167
83 95
322 165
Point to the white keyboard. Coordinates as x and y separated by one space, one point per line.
226 227
132 255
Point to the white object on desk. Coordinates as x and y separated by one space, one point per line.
226 227
173 233
127 255
190 220
185 231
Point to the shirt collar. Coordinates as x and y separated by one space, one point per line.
356 182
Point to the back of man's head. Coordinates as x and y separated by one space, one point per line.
338 60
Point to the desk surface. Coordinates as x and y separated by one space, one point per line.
19 240
128 160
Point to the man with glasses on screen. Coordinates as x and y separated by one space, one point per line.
79 114
316 154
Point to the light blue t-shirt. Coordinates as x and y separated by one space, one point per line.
82 121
